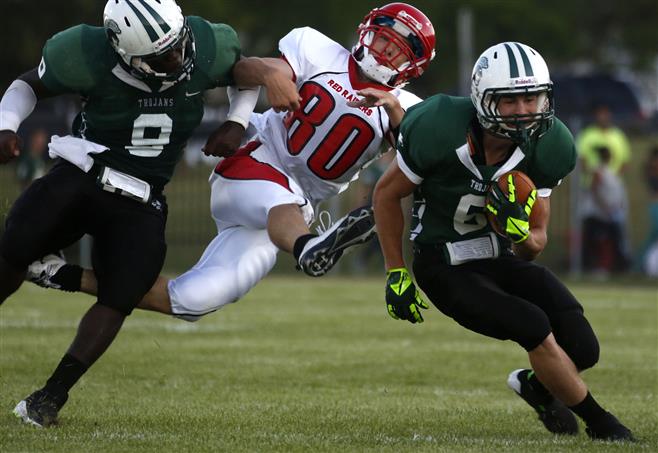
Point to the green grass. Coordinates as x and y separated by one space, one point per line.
312 365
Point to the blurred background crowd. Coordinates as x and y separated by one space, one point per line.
604 64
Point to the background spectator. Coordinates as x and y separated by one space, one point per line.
603 133
605 207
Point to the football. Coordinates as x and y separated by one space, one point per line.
524 186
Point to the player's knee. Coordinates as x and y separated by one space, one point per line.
118 304
529 327
194 296
576 337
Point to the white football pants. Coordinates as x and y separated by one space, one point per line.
241 254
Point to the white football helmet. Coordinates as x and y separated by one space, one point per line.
140 30
512 68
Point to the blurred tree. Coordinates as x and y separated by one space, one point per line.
602 32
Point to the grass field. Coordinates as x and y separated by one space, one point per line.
313 365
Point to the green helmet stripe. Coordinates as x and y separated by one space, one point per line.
526 61
158 18
513 67
147 26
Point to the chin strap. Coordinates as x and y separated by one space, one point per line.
374 70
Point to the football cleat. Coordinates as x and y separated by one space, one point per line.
321 253
41 408
42 271
556 417
609 429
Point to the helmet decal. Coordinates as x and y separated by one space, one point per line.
483 63
112 26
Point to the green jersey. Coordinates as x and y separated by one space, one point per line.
144 126
452 181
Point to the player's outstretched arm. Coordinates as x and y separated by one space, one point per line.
403 300
274 74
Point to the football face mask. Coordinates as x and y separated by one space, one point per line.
396 44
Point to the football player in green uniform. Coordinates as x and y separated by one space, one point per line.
450 151
141 77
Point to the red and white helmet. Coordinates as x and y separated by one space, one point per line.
409 29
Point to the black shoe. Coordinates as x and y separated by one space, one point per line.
321 253
610 429
41 408
556 417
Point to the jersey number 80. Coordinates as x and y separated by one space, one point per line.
343 142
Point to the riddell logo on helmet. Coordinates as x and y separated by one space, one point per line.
164 40
525 81
411 19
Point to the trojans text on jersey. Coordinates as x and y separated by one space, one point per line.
155 102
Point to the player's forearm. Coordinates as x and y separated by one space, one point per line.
395 114
390 227
255 71
533 246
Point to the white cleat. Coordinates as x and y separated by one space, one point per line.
42 271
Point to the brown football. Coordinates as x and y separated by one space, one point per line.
524 186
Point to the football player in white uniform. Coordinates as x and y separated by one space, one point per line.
265 196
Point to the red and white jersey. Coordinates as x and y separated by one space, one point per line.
325 143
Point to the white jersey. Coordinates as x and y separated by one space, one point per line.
325 143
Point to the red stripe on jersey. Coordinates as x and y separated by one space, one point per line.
243 166
248 148
356 82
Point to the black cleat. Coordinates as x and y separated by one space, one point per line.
609 429
321 253
556 417
41 408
